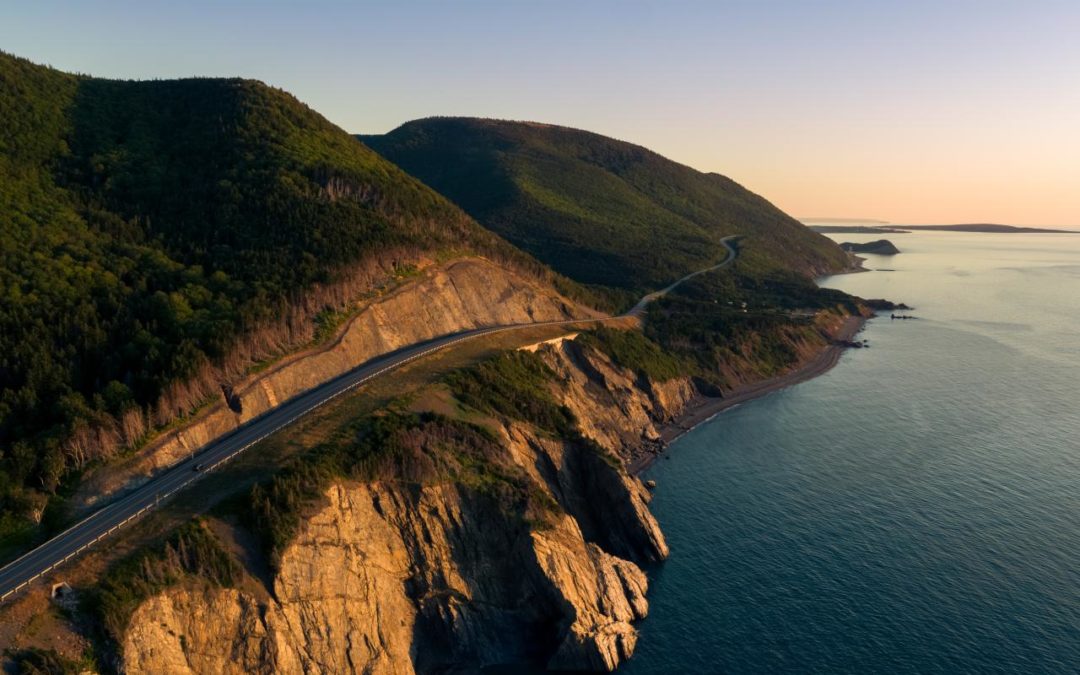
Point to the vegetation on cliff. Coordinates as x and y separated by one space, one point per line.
716 320
514 384
632 350
417 449
426 448
36 661
159 238
192 552
599 210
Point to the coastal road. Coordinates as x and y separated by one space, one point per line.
639 309
24 571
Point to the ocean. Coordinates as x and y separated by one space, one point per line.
914 510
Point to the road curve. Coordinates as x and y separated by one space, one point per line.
19 574
638 310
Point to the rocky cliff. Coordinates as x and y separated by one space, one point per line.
449 298
393 577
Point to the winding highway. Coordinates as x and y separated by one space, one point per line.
32 566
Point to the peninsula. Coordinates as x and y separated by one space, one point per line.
299 431
878 247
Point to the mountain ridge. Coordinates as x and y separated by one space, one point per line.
556 191
205 228
162 238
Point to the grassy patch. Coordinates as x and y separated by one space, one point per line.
631 349
36 661
190 552
326 324
515 384
418 449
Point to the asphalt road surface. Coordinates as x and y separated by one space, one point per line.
24 571
639 309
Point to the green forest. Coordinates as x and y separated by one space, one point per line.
158 237
596 209
719 318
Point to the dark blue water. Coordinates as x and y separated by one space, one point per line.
917 509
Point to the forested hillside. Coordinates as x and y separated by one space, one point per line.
157 238
599 210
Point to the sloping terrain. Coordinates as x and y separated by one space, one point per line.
503 529
416 542
159 239
442 299
599 210
181 256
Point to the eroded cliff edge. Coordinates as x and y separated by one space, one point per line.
398 576
490 520
448 298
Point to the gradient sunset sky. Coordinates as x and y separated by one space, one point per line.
912 112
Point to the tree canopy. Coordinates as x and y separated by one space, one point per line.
148 230
599 210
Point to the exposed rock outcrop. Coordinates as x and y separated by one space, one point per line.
387 577
613 406
464 294
395 577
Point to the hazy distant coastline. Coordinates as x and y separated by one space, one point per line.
862 221
857 229
985 227
964 227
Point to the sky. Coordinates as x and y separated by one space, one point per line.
910 112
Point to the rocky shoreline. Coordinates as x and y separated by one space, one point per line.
702 408
530 553
394 574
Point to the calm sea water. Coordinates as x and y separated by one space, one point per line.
915 510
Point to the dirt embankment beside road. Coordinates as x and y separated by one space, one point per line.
457 296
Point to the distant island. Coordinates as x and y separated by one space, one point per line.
861 221
857 229
967 227
879 247
985 227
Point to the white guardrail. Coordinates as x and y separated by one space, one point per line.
159 498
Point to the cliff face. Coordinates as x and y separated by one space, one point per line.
613 406
464 294
391 578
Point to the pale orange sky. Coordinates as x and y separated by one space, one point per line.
923 111
995 161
